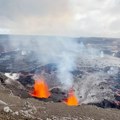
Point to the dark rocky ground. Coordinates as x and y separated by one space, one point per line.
13 107
16 103
97 81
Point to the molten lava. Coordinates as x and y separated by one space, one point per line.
72 99
40 89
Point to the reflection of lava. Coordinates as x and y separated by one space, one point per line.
40 89
72 99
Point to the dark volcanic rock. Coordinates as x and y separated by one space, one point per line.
2 78
26 80
117 54
58 95
106 104
14 86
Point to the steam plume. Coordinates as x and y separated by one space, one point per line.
61 51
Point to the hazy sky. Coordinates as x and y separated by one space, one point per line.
61 17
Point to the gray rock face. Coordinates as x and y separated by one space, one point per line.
93 88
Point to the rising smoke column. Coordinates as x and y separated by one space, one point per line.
58 50
67 64
61 51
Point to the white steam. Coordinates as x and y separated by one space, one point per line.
67 64
63 52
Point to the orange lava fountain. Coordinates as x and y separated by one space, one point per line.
40 89
72 99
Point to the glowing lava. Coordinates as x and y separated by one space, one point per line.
72 99
40 89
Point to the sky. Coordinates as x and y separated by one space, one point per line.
89 18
